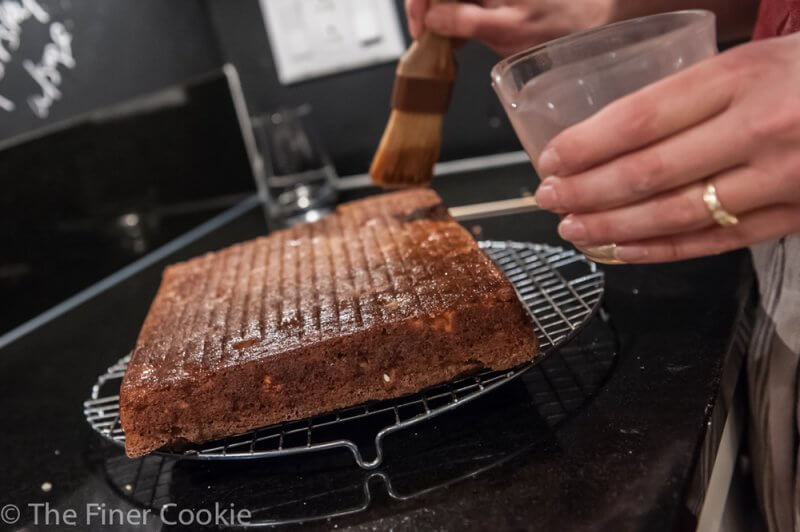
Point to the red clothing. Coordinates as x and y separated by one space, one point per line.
777 17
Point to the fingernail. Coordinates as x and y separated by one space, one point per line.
549 162
547 196
631 253
572 230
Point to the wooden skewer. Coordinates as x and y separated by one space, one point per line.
493 208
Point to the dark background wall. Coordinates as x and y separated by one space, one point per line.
121 49
82 202
126 48
351 108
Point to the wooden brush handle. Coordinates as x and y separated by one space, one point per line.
425 74
430 56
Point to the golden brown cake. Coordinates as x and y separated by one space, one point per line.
385 297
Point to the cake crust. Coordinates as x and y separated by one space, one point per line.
385 297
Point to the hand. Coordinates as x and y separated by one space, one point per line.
634 173
508 26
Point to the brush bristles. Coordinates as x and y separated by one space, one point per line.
408 150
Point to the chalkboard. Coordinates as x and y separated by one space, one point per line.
63 58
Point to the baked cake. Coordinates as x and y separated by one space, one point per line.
385 297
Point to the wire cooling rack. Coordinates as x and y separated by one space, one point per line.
561 290
464 444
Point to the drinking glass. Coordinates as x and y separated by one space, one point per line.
555 85
298 179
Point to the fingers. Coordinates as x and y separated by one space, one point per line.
415 13
467 21
740 191
704 150
650 114
757 226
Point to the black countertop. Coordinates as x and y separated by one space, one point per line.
623 460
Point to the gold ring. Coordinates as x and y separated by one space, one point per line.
718 212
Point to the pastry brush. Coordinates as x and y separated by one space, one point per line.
423 84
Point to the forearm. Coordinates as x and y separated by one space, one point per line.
735 18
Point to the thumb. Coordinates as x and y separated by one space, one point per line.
470 21
415 13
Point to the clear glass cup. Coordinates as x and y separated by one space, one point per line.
555 85
298 182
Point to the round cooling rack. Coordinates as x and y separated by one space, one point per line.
561 290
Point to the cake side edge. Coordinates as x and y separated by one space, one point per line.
332 374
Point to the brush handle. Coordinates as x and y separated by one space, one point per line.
425 74
430 56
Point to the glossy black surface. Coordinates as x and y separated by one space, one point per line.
88 200
621 462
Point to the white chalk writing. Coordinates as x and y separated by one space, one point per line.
56 53
45 72
12 14
6 104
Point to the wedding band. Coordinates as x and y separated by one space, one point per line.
718 212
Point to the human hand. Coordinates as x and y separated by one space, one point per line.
507 26
635 172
